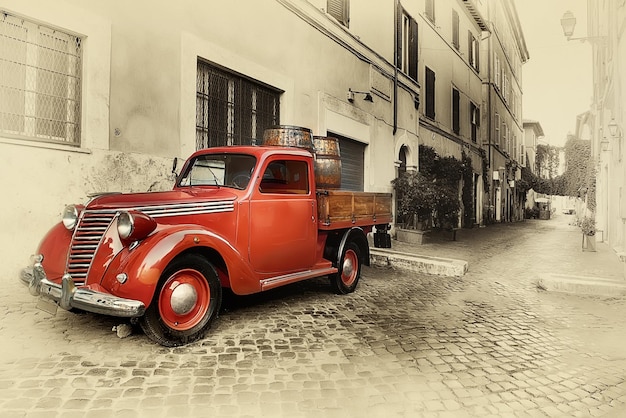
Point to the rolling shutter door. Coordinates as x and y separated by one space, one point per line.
352 163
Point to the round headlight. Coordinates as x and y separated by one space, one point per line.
125 225
70 217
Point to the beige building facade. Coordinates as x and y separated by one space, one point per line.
504 53
103 95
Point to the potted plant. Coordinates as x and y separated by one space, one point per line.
588 227
415 194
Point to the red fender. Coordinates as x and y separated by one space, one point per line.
144 264
54 247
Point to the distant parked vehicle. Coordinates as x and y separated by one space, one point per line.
569 211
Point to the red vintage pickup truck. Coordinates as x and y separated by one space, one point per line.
248 218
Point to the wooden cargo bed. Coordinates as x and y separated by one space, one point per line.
338 209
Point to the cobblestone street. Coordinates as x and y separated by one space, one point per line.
490 343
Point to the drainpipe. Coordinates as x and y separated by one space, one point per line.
395 68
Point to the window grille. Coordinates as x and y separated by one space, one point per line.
40 81
231 109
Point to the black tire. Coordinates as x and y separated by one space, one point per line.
186 301
347 278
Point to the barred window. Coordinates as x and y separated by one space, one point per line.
232 109
40 81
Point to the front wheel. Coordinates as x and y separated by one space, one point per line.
186 301
347 278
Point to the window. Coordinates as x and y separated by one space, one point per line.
430 93
456 107
40 87
407 54
340 10
497 126
430 10
498 72
231 109
474 121
455 29
473 50
285 177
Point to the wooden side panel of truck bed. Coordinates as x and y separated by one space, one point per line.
338 209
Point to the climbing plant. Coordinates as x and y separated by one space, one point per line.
577 179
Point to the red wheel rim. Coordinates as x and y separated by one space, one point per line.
350 267
184 299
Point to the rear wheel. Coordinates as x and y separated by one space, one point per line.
186 301
347 278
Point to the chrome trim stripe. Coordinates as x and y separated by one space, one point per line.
176 209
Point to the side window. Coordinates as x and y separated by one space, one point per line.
285 177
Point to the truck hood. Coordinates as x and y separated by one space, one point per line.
178 200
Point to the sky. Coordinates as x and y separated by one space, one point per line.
557 79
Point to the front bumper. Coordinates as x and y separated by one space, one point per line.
68 296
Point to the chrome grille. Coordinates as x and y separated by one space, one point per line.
87 236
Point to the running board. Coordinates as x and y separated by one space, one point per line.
277 281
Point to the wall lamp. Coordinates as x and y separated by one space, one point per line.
568 23
614 129
368 96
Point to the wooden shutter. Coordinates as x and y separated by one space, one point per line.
430 10
456 114
413 50
340 10
430 93
455 29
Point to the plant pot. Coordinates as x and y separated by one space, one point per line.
589 243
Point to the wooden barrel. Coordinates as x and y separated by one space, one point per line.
289 136
327 162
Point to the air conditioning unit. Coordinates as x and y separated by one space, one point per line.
496 175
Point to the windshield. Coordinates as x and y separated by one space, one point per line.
229 170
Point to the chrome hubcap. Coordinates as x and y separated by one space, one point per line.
183 299
348 267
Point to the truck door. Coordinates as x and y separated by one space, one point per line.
283 214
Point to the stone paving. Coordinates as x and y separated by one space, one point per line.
489 343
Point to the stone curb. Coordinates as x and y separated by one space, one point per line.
588 285
418 263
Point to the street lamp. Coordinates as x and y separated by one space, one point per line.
568 23
614 129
